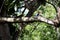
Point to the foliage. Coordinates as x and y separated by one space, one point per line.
48 11
42 31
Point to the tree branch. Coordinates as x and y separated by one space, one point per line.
27 19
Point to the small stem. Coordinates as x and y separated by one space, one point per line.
58 33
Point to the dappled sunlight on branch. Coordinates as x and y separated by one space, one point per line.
27 19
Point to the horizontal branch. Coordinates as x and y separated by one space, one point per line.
27 19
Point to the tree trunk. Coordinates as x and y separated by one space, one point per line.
4 32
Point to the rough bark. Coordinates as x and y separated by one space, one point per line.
4 32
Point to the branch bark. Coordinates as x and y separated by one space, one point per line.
27 19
